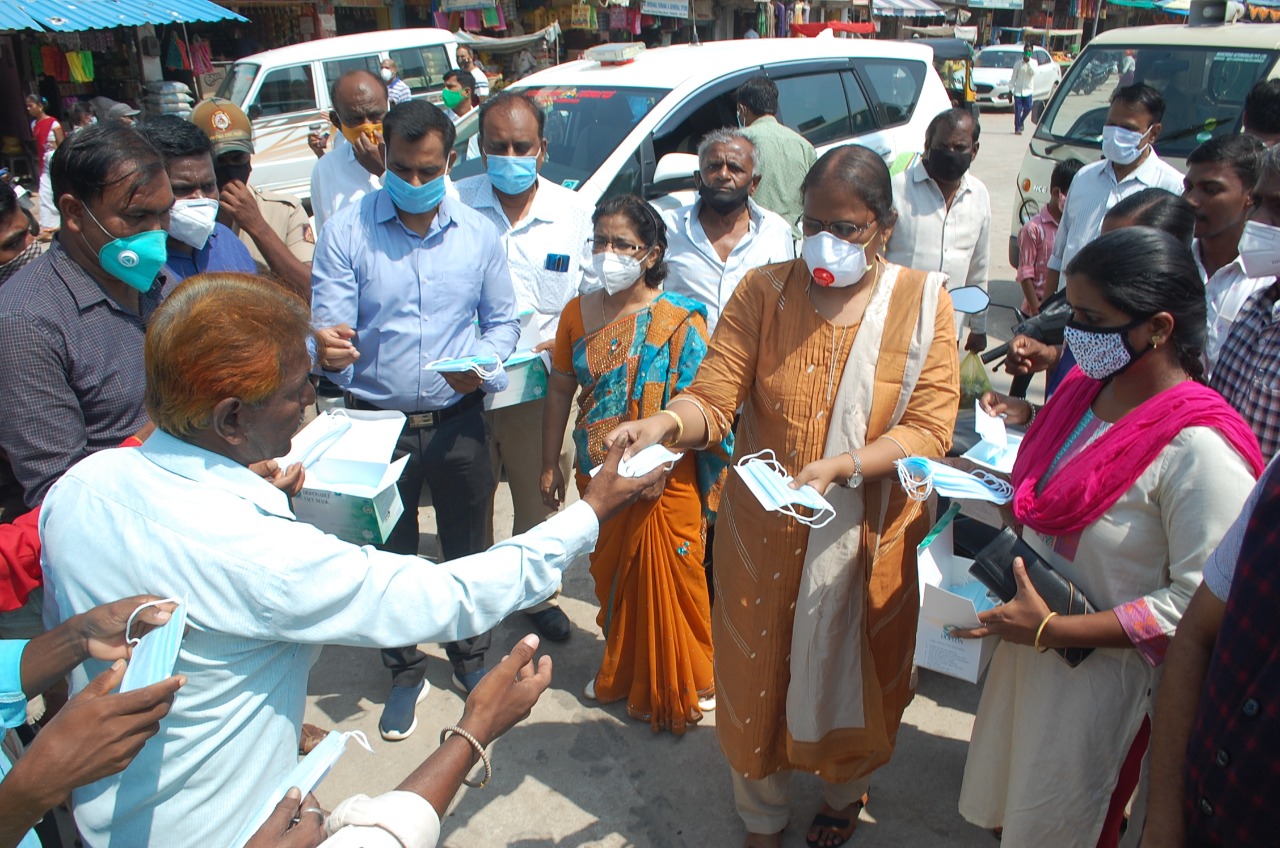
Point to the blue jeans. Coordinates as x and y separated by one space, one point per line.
1021 108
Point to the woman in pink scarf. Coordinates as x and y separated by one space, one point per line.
1125 483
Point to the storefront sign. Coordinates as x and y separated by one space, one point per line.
666 8
464 5
995 4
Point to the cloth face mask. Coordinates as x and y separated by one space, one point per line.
369 129
833 262
921 477
618 273
947 165
1260 249
191 221
133 260
485 367
1120 145
306 775
155 654
452 98
1102 352
512 174
770 483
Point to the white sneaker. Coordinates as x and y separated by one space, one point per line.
589 691
707 704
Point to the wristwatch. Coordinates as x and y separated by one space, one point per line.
855 479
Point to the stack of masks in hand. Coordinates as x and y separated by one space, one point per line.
485 367
771 484
920 477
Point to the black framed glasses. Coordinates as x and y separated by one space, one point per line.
599 245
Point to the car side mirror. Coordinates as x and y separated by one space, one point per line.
970 299
675 171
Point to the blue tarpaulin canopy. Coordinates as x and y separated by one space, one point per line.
79 15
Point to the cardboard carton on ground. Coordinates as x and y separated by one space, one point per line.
941 611
350 487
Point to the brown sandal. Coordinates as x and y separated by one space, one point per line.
842 827
311 737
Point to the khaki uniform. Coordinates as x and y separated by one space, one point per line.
286 217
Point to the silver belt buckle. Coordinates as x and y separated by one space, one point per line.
422 419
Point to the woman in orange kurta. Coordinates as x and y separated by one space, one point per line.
631 348
839 371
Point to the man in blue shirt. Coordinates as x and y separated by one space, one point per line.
197 242
419 277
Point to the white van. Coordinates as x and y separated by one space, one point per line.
634 127
1204 72
285 91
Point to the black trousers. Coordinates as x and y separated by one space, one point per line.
452 461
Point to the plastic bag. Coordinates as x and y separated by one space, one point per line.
974 382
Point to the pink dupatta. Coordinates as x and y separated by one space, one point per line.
1088 484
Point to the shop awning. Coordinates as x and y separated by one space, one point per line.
514 44
79 15
812 30
905 8
1133 4
12 17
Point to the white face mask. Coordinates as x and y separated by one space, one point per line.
920 477
771 484
617 273
191 221
1122 146
1260 249
387 74
833 262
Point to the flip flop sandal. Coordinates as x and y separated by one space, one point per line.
843 827
311 737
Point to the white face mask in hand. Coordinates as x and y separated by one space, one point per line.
155 654
617 273
306 775
920 477
770 483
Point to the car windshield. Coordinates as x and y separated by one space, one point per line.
1204 90
235 85
585 124
998 59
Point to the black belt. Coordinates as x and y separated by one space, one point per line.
423 420
326 388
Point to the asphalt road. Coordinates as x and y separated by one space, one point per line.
576 774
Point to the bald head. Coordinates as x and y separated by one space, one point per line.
359 97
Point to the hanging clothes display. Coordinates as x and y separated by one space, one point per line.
201 57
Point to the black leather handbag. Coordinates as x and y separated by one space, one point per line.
993 566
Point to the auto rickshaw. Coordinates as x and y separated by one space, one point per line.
953 59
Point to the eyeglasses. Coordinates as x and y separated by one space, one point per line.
599 245
843 230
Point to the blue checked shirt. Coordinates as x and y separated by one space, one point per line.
1247 372
412 300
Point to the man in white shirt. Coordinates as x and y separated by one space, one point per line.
355 167
467 62
1022 88
186 518
1131 164
944 213
545 229
714 241
1221 174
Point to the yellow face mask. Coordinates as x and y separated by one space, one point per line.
369 129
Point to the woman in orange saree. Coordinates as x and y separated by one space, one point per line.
631 348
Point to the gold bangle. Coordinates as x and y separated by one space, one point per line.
475 743
1040 632
679 426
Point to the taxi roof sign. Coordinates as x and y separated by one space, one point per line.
613 54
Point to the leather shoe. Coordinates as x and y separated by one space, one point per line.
552 624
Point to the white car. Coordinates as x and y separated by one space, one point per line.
624 119
993 70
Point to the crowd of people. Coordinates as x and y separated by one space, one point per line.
182 325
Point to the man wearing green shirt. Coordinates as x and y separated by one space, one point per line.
785 155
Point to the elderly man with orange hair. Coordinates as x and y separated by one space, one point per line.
183 516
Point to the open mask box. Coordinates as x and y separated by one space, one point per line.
350 488
998 448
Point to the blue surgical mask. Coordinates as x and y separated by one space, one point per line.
771 484
306 775
512 174
411 198
921 477
133 260
155 654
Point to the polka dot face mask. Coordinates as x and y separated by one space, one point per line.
1102 352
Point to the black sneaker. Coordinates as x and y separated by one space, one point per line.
551 623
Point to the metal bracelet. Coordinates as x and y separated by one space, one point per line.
475 743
